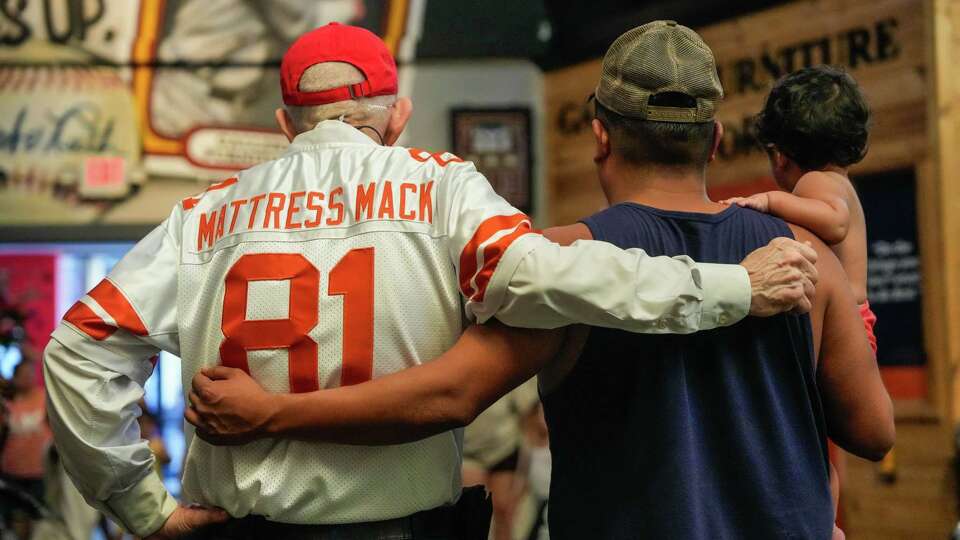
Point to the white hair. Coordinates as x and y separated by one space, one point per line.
370 111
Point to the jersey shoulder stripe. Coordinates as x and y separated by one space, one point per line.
191 202
441 158
109 297
81 317
116 304
492 254
474 275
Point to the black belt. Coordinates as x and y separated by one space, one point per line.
470 518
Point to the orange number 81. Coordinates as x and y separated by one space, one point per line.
351 278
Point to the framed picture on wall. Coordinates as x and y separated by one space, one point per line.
498 142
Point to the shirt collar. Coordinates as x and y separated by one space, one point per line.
328 133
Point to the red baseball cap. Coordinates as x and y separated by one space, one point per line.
336 42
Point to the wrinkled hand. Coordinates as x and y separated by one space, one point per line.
228 407
782 277
188 519
759 202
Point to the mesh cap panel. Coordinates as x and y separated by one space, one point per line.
660 56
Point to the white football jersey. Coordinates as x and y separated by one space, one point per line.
339 262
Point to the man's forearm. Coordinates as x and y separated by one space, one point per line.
387 410
485 363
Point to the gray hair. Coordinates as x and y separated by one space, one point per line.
370 111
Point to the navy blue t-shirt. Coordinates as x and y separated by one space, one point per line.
714 435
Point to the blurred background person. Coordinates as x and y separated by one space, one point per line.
491 452
150 430
26 441
69 517
535 466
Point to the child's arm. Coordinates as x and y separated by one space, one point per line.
817 203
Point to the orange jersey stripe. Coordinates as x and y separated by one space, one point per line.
190 202
491 258
486 230
88 322
113 302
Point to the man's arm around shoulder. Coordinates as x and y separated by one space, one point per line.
781 275
228 407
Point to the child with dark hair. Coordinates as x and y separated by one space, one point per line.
813 126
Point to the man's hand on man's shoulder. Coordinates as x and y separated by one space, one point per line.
782 277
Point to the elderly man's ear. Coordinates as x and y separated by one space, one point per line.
399 116
717 139
602 136
285 123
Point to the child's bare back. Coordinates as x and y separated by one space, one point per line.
851 245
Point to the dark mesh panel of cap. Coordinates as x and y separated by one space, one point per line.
660 56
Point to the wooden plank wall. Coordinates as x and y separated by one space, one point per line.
919 505
880 42
905 54
943 186
922 503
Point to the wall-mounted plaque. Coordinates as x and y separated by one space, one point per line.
498 142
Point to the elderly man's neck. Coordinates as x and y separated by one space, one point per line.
667 187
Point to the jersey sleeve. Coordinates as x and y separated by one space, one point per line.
508 270
97 361
487 238
597 283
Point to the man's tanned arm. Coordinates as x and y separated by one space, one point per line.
449 392
857 407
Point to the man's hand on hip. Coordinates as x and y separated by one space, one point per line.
228 407
782 277
188 519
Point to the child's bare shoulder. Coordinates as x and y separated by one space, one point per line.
823 185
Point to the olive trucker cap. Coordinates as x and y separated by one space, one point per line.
660 57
